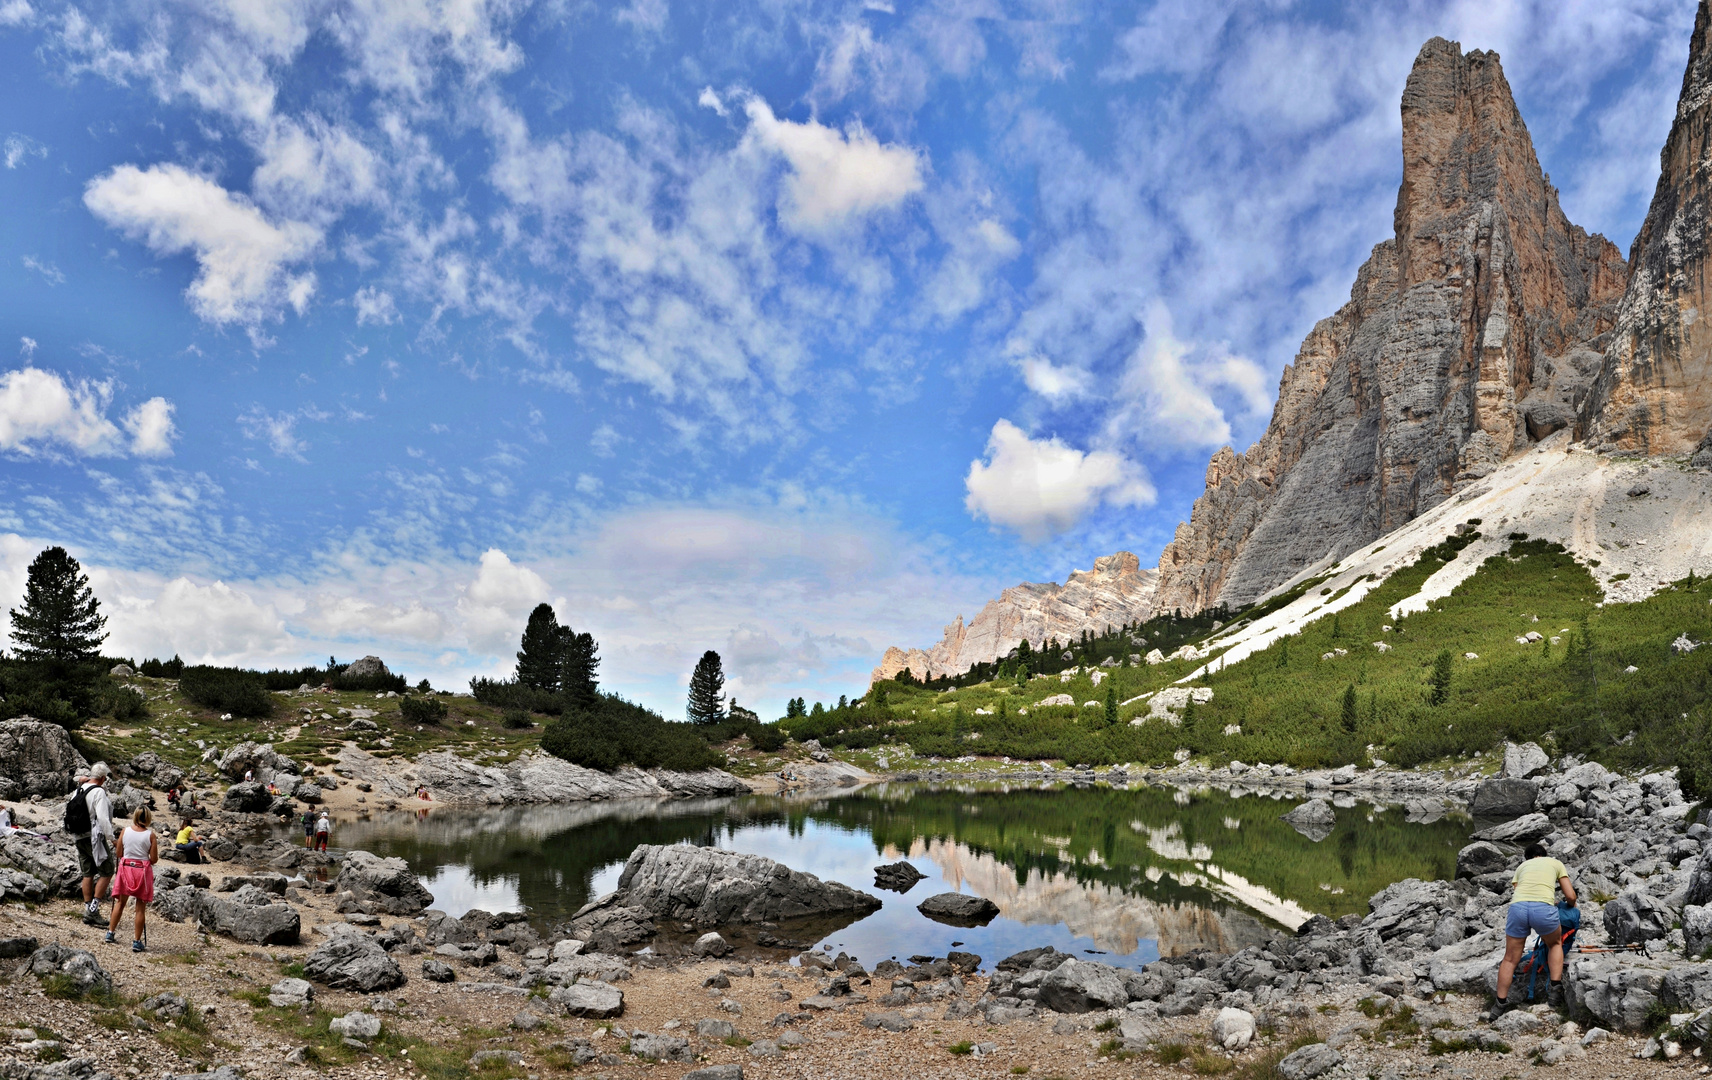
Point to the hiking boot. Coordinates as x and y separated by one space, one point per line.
137 946
111 940
1554 995
92 914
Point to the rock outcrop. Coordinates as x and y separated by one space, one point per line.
542 778
1654 392
709 887
1473 332
37 760
1116 591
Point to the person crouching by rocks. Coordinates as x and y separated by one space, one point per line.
1533 906
89 821
139 850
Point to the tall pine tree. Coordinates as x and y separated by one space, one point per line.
60 619
579 666
541 657
707 685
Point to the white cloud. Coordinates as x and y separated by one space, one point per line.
151 428
49 272
835 176
374 306
1051 382
18 149
710 100
203 624
494 605
16 12
42 412
1041 487
243 260
27 347
278 430
1164 397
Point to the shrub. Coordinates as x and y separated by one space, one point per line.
615 732
510 694
162 669
376 683
59 692
428 711
230 690
767 738
122 703
517 719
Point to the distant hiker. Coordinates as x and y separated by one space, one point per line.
249 775
139 850
89 821
1533 907
5 821
308 821
172 796
188 843
323 826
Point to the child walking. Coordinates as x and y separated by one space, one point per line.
322 827
139 850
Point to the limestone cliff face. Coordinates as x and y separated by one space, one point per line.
1654 393
1116 591
1472 332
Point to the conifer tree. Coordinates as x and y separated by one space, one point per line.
1111 706
707 685
540 658
60 619
1349 719
1441 677
579 665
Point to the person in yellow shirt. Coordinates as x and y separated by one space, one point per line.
188 843
1533 906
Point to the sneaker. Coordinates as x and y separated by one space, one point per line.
137 946
111 940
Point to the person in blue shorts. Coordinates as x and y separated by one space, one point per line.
1533 906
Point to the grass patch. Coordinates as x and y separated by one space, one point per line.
736 1040
65 988
1203 1063
1439 1047
1116 1050
962 1048
1400 1023
1170 1053
1019 1070
293 970
189 958
1108 1024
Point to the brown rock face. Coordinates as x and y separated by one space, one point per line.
1654 393
1116 591
1468 335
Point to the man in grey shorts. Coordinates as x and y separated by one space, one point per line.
95 851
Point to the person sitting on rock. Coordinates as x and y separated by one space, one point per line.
1533 907
188 843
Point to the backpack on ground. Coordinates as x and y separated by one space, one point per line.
1534 964
77 820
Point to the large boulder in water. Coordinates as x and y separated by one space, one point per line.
1314 819
710 887
37 760
1504 798
387 883
959 909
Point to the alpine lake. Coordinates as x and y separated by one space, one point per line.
1125 874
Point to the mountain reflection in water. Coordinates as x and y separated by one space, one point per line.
1130 873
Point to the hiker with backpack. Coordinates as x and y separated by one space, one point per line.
308 823
1533 907
89 822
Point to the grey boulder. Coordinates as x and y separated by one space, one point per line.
1486 857
716 1072
593 1001
1077 986
1309 1061
1636 917
959 909
1521 762
256 923
1528 829
290 993
1314 819
1503 798
660 1047
710 887
248 797
356 1025
53 864
386 883
353 962
79 966
439 971
37 760
898 877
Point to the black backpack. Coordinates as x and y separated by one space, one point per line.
77 821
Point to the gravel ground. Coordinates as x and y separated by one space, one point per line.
457 1019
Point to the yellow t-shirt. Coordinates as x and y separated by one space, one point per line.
184 835
1536 880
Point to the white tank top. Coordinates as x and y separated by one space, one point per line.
135 842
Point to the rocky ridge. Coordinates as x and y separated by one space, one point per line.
1116 591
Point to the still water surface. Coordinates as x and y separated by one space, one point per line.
1130 874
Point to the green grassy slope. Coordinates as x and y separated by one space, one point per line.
1288 700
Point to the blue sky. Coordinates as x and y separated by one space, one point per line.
788 330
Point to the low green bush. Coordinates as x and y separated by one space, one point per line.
230 690
614 732
511 694
428 711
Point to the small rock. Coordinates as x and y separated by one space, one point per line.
1233 1029
290 993
711 944
356 1025
1309 1061
959 909
715 1029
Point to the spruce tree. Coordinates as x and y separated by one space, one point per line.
1349 709
579 666
1441 677
707 684
60 619
1111 706
541 657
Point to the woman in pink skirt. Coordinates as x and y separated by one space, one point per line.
139 849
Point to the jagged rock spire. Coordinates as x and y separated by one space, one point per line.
1654 392
1465 338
